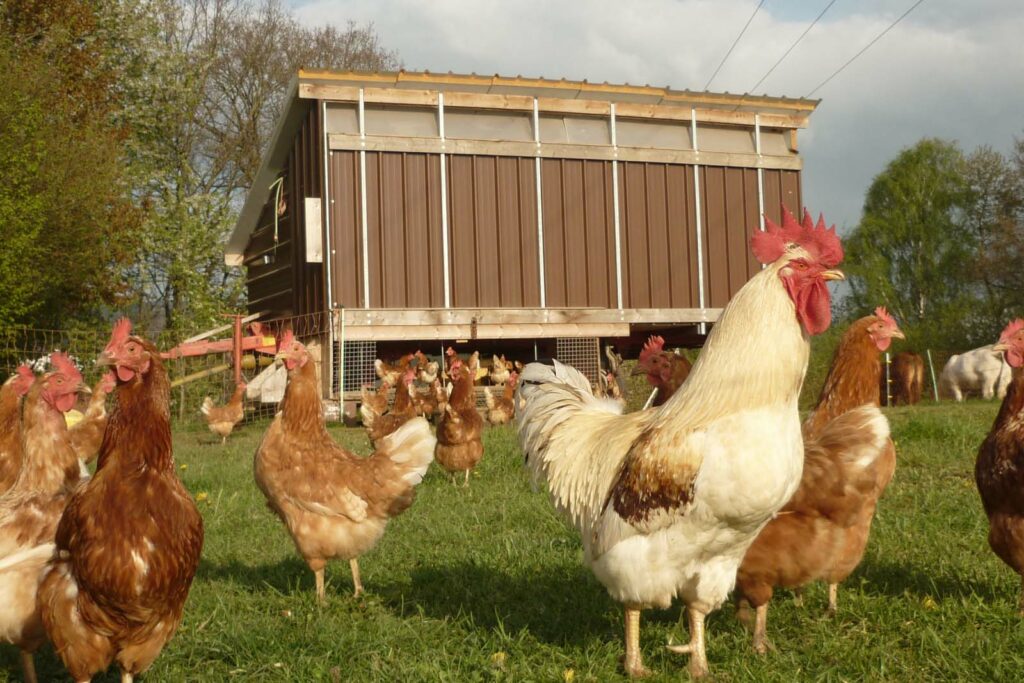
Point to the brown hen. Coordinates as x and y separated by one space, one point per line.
665 371
999 469
402 410
87 433
128 544
31 508
501 409
11 393
222 419
822 531
334 503
459 446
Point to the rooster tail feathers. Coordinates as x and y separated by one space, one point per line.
207 406
489 398
411 447
368 414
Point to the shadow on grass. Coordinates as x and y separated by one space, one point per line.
896 580
48 666
285 577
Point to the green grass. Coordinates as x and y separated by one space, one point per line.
487 584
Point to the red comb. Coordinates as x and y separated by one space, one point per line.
883 314
122 330
654 344
287 338
62 364
821 242
1011 329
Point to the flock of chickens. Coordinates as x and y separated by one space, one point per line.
718 485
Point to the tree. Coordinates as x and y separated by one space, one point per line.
911 250
68 227
216 78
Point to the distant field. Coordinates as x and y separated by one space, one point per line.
487 584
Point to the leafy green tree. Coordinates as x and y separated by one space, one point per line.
912 250
67 225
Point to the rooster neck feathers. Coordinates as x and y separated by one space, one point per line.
745 370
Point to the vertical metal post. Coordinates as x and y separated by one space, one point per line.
697 212
236 346
341 361
888 380
615 208
444 204
326 206
931 369
760 171
540 204
362 202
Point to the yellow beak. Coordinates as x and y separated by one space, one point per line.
898 334
833 274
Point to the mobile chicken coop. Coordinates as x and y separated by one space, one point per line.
410 210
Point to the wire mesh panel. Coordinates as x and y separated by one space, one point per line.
582 353
358 369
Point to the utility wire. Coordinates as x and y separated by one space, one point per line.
863 50
734 43
797 42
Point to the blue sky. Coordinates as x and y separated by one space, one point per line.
951 69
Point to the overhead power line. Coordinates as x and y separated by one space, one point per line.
795 43
864 49
734 43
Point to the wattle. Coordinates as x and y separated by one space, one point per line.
1014 358
814 307
883 343
125 374
65 402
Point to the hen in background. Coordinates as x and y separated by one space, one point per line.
334 503
31 508
390 372
459 443
375 401
501 409
402 410
222 419
843 457
129 541
11 393
999 469
87 434
665 370
668 500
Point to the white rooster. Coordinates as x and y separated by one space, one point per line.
667 500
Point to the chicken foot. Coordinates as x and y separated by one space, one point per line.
633 662
695 648
354 566
28 666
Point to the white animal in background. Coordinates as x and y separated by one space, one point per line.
979 371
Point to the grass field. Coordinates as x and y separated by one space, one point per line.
487 584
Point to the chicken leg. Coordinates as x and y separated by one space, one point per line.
320 595
833 598
28 666
633 662
695 648
465 483
354 565
126 677
761 629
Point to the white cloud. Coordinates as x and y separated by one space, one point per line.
950 69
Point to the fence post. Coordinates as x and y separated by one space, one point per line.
931 369
888 381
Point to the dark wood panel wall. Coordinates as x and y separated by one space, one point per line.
278 278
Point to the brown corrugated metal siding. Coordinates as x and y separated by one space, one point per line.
493 236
